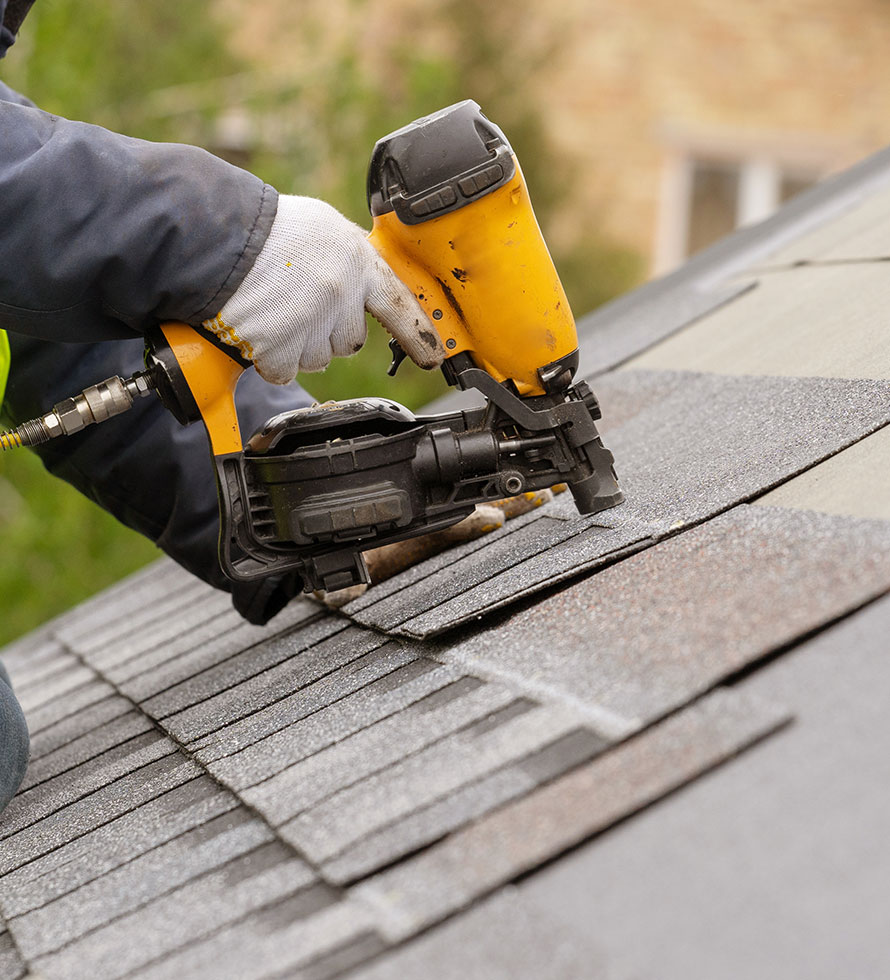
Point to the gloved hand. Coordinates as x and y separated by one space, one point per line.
304 300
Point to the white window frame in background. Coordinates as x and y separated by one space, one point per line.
762 165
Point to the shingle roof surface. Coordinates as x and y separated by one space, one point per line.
353 793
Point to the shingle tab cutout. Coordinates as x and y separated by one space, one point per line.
212 799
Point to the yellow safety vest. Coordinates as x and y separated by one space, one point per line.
4 362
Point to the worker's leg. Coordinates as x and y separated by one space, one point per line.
144 467
13 741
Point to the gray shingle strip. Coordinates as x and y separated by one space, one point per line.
205 648
339 821
146 878
498 939
12 966
583 552
646 635
457 593
78 783
74 701
137 591
422 890
49 671
256 658
257 747
853 482
691 444
860 233
128 624
205 905
305 784
31 649
27 664
189 637
775 865
112 845
58 685
549 512
279 941
460 570
102 806
180 628
433 822
321 661
624 328
335 963
80 749
56 736
688 446
797 323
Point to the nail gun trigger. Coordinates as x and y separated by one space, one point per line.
398 355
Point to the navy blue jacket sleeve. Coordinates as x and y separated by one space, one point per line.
103 235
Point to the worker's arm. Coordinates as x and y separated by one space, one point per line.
104 235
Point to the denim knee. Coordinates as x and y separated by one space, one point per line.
14 742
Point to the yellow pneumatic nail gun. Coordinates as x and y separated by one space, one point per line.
315 487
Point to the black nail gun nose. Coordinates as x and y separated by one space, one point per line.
314 488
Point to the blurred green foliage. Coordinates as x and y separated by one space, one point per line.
58 547
153 70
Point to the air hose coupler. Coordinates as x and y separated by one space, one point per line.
94 404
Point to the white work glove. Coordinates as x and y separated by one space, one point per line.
304 300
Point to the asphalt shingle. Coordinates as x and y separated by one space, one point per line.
499 939
12 967
206 905
44 876
130 628
857 233
432 822
80 749
305 784
336 823
775 865
322 674
288 939
769 331
135 884
854 482
86 813
71 787
200 647
647 635
260 746
59 684
81 723
28 665
250 660
74 701
420 891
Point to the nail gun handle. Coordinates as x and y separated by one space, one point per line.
195 379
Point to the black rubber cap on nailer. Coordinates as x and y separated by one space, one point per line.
438 163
